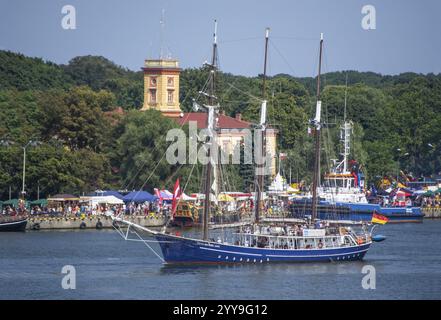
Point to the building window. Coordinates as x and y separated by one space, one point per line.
170 81
152 95
153 81
170 95
226 147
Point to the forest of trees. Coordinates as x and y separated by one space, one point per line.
85 146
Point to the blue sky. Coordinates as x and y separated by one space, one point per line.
407 37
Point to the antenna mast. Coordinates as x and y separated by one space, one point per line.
346 131
162 24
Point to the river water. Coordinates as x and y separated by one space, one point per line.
407 266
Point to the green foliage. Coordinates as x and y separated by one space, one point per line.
99 73
87 145
140 151
24 73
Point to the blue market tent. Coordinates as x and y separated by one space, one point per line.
105 193
139 196
113 193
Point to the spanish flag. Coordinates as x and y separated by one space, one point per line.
379 218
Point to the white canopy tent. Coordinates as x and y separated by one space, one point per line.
93 201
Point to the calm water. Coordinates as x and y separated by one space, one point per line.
408 266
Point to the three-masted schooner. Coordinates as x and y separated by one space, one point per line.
260 242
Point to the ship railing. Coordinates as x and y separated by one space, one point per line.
296 242
359 238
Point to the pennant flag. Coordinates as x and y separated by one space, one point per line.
176 196
379 218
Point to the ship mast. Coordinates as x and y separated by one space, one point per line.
261 165
210 126
346 132
317 124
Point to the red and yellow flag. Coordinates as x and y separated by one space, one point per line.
379 218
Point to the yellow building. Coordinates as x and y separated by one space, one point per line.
161 92
161 86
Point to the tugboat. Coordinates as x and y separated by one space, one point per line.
310 240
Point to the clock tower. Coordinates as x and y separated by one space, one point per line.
161 86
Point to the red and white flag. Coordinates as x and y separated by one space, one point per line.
176 196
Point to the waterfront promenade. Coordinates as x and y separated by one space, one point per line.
89 222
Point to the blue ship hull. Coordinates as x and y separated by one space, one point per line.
363 212
176 250
358 212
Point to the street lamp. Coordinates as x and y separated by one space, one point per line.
32 143
400 157
6 143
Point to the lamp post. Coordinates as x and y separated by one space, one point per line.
32 143
400 157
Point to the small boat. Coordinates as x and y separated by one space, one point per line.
186 215
13 223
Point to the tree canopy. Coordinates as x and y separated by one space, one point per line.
87 143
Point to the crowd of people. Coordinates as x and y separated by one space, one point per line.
11 211
431 201
84 209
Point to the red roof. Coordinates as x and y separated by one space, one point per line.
225 122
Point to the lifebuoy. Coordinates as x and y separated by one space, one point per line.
320 245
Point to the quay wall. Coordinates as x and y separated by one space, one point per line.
53 223
432 213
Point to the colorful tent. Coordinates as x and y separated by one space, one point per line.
139 197
112 193
63 197
13 203
224 197
41 203
188 198
166 195
95 200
